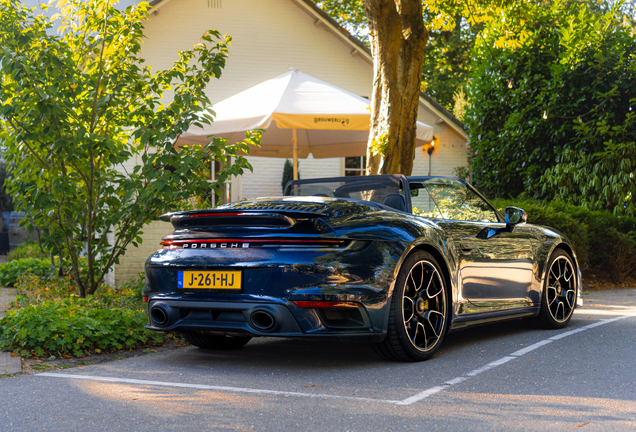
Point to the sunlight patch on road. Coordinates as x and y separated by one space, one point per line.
544 412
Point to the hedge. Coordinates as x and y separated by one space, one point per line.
11 271
600 239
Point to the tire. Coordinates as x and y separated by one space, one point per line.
559 292
215 341
419 311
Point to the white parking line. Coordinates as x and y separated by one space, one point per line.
532 347
208 387
503 360
408 401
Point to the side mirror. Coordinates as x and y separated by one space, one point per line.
515 216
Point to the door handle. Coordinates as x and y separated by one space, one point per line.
466 247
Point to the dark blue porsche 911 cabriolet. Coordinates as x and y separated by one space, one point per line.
391 260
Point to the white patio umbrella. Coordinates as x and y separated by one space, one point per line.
300 114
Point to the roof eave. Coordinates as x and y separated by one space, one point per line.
443 114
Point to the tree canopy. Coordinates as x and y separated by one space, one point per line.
90 134
399 32
554 117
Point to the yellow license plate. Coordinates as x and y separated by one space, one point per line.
226 280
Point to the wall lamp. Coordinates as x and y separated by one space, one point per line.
429 148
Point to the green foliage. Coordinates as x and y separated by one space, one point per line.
128 296
34 290
600 239
460 104
73 326
79 105
349 13
288 173
604 179
453 30
6 201
447 62
462 172
28 249
11 271
561 97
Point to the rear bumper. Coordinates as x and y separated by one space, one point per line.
259 319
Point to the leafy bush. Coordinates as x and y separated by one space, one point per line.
6 200
29 249
553 118
11 271
600 239
73 326
128 296
34 290
83 95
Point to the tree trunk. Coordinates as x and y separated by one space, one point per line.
398 39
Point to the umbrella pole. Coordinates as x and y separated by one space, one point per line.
295 153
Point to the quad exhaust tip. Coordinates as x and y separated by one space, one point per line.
263 320
159 316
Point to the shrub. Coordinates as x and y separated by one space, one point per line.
34 290
29 249
128 296
9 272
288 173
600 239
540 213
73 326
554 116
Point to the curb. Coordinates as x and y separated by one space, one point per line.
8 364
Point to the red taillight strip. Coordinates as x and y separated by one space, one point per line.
326 304
216 214
273 241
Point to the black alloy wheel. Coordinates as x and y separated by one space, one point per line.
419 311
215 341
559 294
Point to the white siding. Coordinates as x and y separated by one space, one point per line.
268 174
269 37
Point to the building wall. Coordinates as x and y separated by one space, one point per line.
268 174
450 152
133 262
269 37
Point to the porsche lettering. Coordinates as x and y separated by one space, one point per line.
215 245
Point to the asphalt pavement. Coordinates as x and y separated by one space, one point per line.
506 376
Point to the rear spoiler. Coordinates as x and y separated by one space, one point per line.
269 217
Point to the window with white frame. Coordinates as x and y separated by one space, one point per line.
355 166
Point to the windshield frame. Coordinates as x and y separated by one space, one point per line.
424 179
